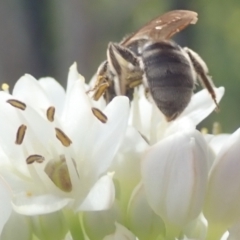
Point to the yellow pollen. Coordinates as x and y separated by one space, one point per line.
204 130
217 128
5 87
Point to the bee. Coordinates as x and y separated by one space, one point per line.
148 56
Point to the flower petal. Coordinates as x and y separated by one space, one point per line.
28 89
218 141
107 137
101 195
202 105
54 91
73 76
107 218
5 204
126 164
17 227
44 228
42 204
121 233
223 196
77 118
142 220
174 175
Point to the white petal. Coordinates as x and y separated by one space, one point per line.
36 126
50 226
223 195
107 137
126 164
17 227
107 218
175 176
5 204
16 180
144 115
28 89
141 218
179 125
42 204
101 195
202 105
77 118
73 76
9 124
218 141
55 93
197 229
225 236
121 233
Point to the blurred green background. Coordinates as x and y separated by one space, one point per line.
44 37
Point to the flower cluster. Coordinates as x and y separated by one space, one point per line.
73 168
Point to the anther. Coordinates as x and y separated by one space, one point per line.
50 114
35 158
17 104
20 134
99 115
62 137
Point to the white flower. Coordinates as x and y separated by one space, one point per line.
57 160
142 220
222 207
77 171
126 169
5 204
174 173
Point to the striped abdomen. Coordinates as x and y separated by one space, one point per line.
170 77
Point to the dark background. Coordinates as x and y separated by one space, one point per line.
44 37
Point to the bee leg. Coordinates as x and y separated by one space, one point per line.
201 70
124 66
102 82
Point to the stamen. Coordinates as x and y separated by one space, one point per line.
217 128
62 137
100 91
99 115
204 130
50 114
59 174
35 158
20 134
17 104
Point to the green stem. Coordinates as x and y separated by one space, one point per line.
215 232
172 231
74 225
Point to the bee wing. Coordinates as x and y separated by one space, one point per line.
163 27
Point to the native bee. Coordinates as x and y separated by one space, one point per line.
149 57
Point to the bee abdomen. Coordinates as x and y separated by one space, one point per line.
169 76
171 101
